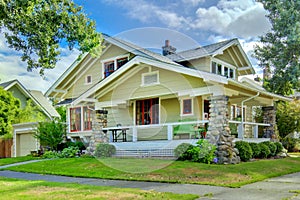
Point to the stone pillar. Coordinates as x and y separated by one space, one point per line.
98 136
249 118
219 131
269 118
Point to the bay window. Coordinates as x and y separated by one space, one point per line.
81 118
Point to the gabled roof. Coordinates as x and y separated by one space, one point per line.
36 96
200 52
209 77
137 50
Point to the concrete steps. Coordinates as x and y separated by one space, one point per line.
159 148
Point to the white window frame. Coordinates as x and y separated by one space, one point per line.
149 74
224 64
115 62
81 119
181 107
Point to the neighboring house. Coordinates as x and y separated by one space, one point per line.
23 140
149 95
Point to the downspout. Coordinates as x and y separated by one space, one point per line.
242 124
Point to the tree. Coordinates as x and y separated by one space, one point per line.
9 109
37 28
288 117
281 45
51 133
30 113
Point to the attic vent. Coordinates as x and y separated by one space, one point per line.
150 78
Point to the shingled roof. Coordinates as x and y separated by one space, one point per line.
200 51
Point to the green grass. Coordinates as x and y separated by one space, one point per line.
166 171
7 161
20 189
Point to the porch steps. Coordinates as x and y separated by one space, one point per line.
159 148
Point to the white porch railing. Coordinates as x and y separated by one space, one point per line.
170 127
241 130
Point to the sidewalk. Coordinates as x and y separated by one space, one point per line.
271 189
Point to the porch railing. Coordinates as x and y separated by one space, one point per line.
170 128
241 130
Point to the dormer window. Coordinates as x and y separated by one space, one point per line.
223 70
111 65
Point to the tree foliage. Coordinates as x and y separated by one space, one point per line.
36 28
9 110
288 117
51 133
281 45
30 113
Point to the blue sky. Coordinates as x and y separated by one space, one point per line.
186 23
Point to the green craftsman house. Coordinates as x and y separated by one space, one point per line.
142 97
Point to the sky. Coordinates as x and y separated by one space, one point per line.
148 23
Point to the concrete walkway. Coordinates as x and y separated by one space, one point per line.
271 189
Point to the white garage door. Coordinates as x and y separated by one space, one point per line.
27 143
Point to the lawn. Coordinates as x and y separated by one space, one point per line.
7 161
166 171
20 189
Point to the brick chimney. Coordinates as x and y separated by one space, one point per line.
168 49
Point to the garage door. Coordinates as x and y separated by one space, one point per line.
26 143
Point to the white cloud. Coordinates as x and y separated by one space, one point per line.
11 67
239 18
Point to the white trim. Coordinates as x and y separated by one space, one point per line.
206 76
224 64
149 74
114 59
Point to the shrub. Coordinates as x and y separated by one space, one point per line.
289 143
264 150
272 147
279 147
206 152
105 150
51 154
181 151
255 149
245 151
69 152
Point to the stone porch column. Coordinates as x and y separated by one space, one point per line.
249 118
98 135
219 131
269 118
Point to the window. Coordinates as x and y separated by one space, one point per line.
81 118
147 111
109 68
87 118
88 79
150 78
113 64
75 119
187 106
121 62
217 68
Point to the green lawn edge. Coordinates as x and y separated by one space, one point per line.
24 189
8 161
175 172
